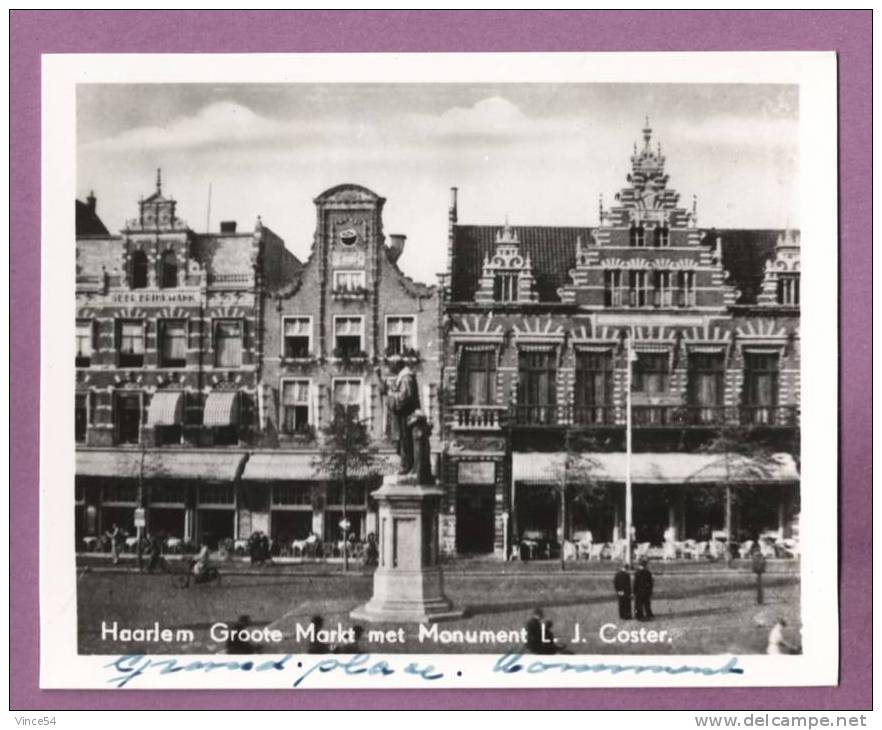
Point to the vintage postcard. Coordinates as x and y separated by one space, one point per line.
457 370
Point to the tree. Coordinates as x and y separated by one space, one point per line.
743 458
346 450
578 477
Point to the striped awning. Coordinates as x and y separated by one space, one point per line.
648 468
202 464
221 408
283 466
166 408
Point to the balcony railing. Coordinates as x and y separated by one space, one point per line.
539 415
782 416
680 416
478 418
594 415
654 416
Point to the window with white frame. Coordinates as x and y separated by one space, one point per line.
400 334
505 286
81 417
788 289
349 281
295 406
85 343
172 343
640 288
687 289
664 293
615 290
228 343
348 393
662 236
638 235
296 337
348 335
130 343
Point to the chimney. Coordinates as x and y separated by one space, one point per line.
396 246
228 227
92 202
452 211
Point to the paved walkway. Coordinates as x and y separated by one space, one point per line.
101 563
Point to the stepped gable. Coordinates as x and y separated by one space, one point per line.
552 250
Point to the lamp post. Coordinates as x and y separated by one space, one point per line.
629 505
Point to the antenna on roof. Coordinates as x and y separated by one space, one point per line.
208 212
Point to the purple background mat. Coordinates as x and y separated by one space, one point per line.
847 32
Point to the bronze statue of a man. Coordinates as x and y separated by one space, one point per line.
403 399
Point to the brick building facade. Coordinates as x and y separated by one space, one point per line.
208 363
538 325
349 311
169 341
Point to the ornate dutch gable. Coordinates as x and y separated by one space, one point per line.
507 276
782 274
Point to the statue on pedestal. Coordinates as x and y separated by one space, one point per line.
410 427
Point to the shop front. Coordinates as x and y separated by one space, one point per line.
674 495
187 495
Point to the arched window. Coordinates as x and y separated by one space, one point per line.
169 276
638 237
139 270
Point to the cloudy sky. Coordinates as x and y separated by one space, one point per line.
538 153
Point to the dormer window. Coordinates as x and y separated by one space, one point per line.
139 270
505 287
638 235
662 237
788 290
169 270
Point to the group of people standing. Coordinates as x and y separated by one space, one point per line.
634 589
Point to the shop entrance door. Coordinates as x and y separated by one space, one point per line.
475 519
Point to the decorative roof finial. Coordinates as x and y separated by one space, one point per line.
159 181
647 133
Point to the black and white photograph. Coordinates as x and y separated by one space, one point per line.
503 368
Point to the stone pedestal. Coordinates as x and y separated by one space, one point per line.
408 582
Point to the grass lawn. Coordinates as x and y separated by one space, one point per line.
706 613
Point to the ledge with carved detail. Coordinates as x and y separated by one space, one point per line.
350 294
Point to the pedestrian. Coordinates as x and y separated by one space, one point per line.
539 635
316 645
115 535
351 647
371 553
643 592
236 643
155 552
533 630
140 553
622 585
777 644
758 565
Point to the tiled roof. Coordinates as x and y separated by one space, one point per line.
552 250
87 222
745 252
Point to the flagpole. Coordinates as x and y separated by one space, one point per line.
628 497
